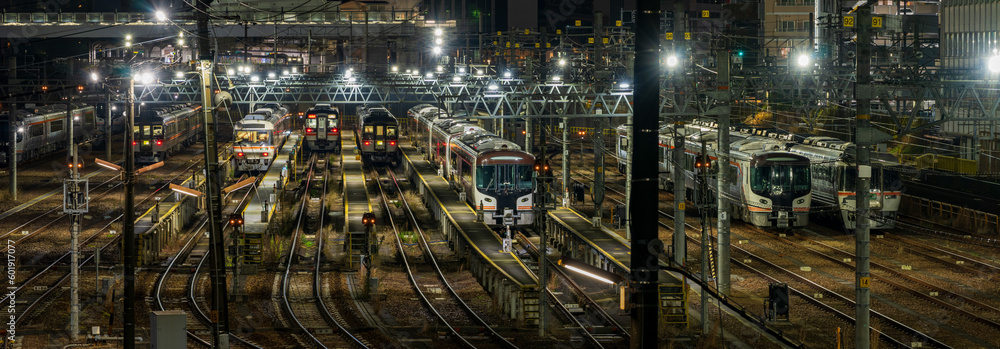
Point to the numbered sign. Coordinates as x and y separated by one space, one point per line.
590 40
866 282
687 36
558 31
848 21
547 44
605 40
498 33
527 31
670 36
704 14
516 45
578 23
876 22
537 45
618 23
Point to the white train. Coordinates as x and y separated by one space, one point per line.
43 130
495 173
259 137
835 174
769 186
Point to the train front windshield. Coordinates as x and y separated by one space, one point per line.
509 177
251 136
882 179
780 179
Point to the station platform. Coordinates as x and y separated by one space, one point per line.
502 273
156 228
356 201
259 212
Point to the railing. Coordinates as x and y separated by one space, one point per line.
941 162
957 217
338 17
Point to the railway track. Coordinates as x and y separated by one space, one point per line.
301 292
459 314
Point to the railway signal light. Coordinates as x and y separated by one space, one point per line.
236 220
240 154
135 143
368 219
392 143
159 142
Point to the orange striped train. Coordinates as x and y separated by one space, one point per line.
161 132
495 174
42 130
259 136
769 187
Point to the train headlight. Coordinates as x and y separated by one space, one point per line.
524 200
379 142
145 142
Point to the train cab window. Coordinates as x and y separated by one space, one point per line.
390 131
263 136
485 176
369 130
801 179
523 176
36 130
56 126
311 123
145 131
333 122
848 179
379 130
886 180
157 131
135 131
246 136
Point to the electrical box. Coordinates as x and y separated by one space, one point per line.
168 329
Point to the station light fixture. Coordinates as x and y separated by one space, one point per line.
994 64
436 50
803 60
185 190
625 85
179 74
271 75
562 62
93 76
439 69
672 61
255 78
20 129
506 74
180 42
161 16
284 72
492 87
229 71
461 70
456 79
128 37
438 32
295 70
438 41
590 271
395 69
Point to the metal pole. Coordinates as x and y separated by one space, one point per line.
645 243
12 152
723 172
701 178
107 129
677 158
565 162
128 225
213 198
862 93
543 202
598 186
74 293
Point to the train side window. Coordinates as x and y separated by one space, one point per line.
157 131
56 126
390 131
36 130
734 174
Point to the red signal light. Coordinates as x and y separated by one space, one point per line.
240 154
159 142
265 154
135 143
368 142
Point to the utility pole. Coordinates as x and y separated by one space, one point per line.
598 186
565 162
862 138
543 236
107 127
213 198
128 225
12 151
677 153
701 180
74 204
723 170
644 265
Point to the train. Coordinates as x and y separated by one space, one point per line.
770 187
161 132
42 130
322 128
835 174
496 175
377 135
259 137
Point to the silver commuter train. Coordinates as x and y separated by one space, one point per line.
160 132
259 137
322 129
497 175
43 130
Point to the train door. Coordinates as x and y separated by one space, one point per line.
380 142
146 144
321 127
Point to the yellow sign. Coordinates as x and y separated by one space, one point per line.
680 206
866 282
508 44
527 31
849 21
517 45
498 33
704 13
590 40
876 22
495 42
618 23
687 36
670 36
605 40
547 44
578 23
537 45
558 31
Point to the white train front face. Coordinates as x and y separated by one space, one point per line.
256 143
884 196
778 189
503 184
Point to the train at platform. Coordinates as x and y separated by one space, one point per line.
43 130
377 135
259 137
322 128
770 187
496 175
161 132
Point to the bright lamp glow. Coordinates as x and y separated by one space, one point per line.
506 74
255 78
20 129
562 62
438 32
456 79
128 37
180 42
436 50
556 78
395 69
624 85
592 275
430 75
461 70
803 60
93 76
295 70
994 64
229 71
492 87
179 75
672 61
438 41
439 68
271 75
161 16
284 72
